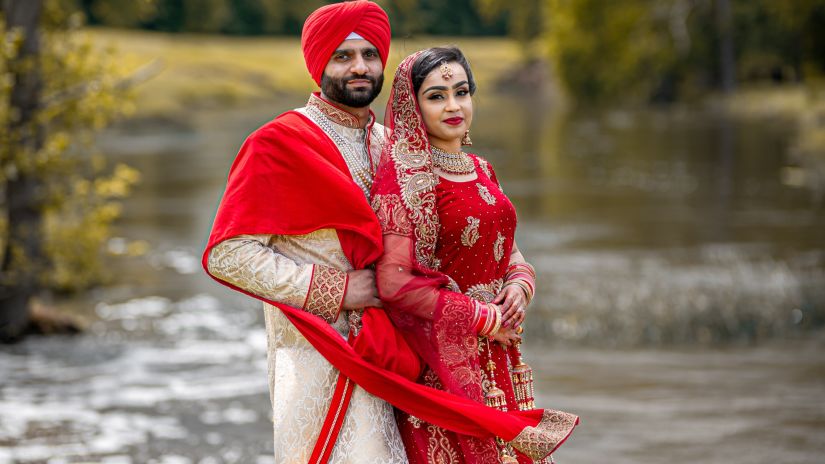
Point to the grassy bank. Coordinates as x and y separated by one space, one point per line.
201 71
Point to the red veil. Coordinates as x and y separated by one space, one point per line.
289 178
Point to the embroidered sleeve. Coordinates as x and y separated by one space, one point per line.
247 262
401 286
391 214
326 292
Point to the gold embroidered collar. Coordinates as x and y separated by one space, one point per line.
335 114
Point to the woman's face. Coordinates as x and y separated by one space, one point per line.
446 105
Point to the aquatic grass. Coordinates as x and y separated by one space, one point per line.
724 295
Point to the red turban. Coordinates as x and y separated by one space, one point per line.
328 26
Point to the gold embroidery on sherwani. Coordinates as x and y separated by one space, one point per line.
301 381
247 261
469 236
539 441
485 194
498 247
326 292
337 115
345 132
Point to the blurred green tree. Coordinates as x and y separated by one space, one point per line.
524 19
57 196
662 50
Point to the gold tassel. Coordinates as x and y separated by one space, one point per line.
523 383
494 396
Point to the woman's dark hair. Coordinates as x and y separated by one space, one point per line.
432 58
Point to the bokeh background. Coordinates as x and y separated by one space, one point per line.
666 158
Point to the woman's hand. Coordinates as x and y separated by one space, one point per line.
507 336
512 301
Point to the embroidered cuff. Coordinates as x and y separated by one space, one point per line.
326 292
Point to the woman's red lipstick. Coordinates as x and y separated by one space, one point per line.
454 121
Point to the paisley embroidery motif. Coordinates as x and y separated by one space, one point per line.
485 194
469 236
439 449
498 247
391 214
485 292
413 167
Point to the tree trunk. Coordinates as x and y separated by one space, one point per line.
727 60
23 254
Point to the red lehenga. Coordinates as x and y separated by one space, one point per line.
446 252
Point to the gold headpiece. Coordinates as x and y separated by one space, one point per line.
446 71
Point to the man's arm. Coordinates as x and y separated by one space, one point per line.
247 262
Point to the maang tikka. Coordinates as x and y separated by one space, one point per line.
446 71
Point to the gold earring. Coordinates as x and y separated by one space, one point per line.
465 141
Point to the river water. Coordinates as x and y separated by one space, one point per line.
682 297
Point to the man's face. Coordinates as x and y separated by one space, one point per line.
354 74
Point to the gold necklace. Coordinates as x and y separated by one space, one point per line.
452 163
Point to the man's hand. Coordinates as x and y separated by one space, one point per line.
361 290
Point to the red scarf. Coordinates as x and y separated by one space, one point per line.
288 179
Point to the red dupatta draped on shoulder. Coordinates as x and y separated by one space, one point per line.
290 179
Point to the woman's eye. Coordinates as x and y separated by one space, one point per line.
462 92
436 96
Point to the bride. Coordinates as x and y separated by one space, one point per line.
451 277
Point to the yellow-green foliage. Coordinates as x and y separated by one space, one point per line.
80 195
609 50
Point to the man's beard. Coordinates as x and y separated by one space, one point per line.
336 90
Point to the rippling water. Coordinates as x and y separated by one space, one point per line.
681 304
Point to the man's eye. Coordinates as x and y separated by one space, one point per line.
341 57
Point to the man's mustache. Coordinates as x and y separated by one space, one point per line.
347 80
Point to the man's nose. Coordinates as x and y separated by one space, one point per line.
359 66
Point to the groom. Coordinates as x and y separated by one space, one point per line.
290 230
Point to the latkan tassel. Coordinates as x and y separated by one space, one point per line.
522 382
494 396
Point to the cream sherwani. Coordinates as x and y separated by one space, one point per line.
308 271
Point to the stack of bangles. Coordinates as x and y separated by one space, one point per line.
488 319
524 276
